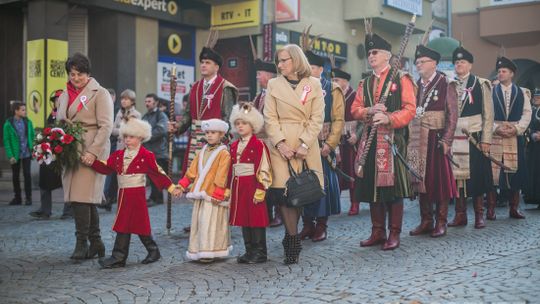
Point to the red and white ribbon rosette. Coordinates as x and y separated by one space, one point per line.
305 93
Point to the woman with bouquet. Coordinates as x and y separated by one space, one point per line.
87 103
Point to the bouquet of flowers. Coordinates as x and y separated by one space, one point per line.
58 146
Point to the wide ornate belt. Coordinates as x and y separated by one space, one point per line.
131 180
243 169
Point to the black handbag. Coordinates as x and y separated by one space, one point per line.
302 188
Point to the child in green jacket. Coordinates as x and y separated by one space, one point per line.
18 141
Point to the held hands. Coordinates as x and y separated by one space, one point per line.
88 158
177 192
325 151
506 130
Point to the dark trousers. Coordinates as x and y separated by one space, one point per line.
156 195
16 169
46 203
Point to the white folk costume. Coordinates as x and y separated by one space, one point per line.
209 236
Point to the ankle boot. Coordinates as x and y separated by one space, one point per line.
378 219
285 243
320 233
120 252
426 219
442 218
96 244
293 250
395 220
259 251
491 203
460 218
81 214
151 247
276 221
514 206
248 243
355 208
478 204
309 228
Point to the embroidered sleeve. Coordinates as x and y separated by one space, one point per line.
220 180
487 112
105 167
451 115
264 175
157 174
191 173
338 117
358 109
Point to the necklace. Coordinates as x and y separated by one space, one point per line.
421 110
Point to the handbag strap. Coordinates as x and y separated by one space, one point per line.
304 165
291 170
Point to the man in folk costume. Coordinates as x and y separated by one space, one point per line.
265 71
531 194
315 216
512 116
211 97
430 141
349 137
475 107
383 181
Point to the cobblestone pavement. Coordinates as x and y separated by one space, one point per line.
500 263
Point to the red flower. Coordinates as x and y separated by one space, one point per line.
58 149
45 146
67 139
46 131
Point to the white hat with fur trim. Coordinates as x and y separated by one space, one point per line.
136 127
214 124
248 113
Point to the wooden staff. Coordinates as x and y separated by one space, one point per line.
172 117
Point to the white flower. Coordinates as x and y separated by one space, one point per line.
39 136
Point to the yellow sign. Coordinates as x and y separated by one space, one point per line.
57 53
236 15
174 43
35 81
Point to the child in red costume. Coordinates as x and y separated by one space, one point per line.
249 177
132 164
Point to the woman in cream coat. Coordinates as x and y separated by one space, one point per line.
87 102
294 114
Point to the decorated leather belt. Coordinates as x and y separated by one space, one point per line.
243 169
131 180
433 120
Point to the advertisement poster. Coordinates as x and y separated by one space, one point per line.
35 82
236 15
287 10
57 53
185 76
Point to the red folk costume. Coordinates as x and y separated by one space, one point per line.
250 176
132 168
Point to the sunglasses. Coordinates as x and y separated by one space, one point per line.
373 52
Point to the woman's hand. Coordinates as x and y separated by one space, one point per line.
88 158
285 151
301 153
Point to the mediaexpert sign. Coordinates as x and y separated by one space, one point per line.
35 81
236 15
159 9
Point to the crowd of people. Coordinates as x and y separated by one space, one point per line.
435 139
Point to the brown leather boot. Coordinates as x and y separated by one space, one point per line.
442 218
395 219
320 229
426 219
478 205
514 204
491 203
460 218
378 219
309 228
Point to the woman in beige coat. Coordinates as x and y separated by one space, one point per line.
85 101
294 114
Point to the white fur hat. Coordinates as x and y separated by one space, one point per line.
214 124
136 127
248 113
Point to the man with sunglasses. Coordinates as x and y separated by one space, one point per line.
430 139
383 180
475 110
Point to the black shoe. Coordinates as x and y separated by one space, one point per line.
44 217
28 202
66 216
36 214
258 244
119 254
15 201
151 247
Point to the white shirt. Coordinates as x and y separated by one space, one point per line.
525 119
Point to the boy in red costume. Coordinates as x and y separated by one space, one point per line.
249 176
132 164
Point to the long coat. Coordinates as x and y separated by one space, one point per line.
286 118
84 185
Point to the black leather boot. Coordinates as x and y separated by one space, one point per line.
97 248
151 247
293 250
81 215
248 243
258 243
120 252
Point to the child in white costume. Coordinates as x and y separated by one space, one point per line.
209 237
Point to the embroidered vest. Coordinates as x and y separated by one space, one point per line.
516 104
